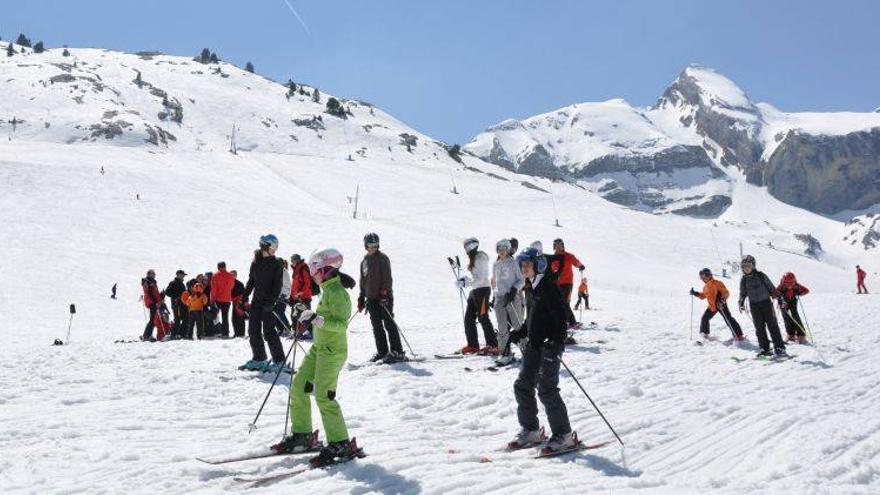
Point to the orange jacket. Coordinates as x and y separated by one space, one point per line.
582 289
711 291
195 301
567 261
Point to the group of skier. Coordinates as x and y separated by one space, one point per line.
760 292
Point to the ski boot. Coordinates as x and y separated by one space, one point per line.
791 338
559 443
527 438
803 340
469 350
489 351
253 365
765 353
394 357
378 357
504 360
779 352
739 338
271 367
297 443
335 451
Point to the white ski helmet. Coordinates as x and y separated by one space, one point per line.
471 244
324 261
503 244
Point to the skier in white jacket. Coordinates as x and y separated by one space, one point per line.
508 281
478 301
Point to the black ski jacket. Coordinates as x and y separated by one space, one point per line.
547 316
264 281
175 289
757 287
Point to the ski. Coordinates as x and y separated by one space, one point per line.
274 478
261 453
455 355
577 448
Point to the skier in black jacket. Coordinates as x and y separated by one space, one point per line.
545 331
759 289
174 290
264 282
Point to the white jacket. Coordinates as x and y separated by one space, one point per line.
480 272
285 284
507 275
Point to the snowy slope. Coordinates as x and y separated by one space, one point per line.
99 417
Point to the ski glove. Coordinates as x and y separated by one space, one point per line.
509 297
519 334
462 282
309 316
693 292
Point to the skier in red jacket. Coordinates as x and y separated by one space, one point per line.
152 298
301 294
790 293
562 263
860 280
222 283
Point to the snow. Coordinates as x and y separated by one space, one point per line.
778 124
98 417
718 90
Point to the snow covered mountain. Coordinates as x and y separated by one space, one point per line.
660 158
96 416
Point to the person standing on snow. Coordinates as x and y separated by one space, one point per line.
860 280
175 289
716 294
221 293
791 291
562 263
377 298
507 280
195 301
319 371
264 281
583 294
759 289
477 301
544 333
152 298
239 306
301 293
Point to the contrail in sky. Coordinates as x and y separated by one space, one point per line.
300 19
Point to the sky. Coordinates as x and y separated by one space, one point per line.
452 68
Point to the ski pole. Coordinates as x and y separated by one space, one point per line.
726 320
456 272
253 425
399 330
591 401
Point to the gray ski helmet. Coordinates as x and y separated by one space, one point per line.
471 244
268 241
514 245
705 271
295 258
538 246
533 255
748 259
371 240
503 244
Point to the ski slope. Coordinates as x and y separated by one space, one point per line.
99 417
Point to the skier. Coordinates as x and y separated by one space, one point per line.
377 298
544 334
113 292
162 322
264 281
791 291
152 298
716 294
583 294
860 280
239 306
221 293
561 263
478 301
759 289
195 301
319 371
514 246
508 281
301 293
174 290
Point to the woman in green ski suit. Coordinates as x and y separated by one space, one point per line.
319 371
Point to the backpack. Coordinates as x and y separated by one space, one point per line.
316 289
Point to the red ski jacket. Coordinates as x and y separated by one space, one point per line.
566 275
860 275
151 292
301 285
221 286
789 293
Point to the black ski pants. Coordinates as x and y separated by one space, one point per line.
262 327
224 318
478 310
729 321
540 369
565 289
237 324
383 322
585 298
764 318
148 330
195 319
792 319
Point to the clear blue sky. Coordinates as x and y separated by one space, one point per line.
450 68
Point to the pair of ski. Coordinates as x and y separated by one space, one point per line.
545 453
415 359
495 367
766 359
266 452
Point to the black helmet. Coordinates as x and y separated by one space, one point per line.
295 258
371 240
705 271
514 245
748 259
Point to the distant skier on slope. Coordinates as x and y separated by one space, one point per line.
264 281
175 290
195 301
152 298
758 288
508 281
377 298
716 294
562 263
791 291
113 292
320 369
544 334
860 280
477 301
583 294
